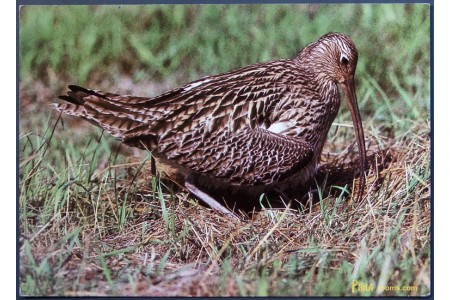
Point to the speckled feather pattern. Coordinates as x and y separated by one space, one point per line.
258 125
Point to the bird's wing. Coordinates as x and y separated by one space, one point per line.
248 157
216 126
129 116
227 101
213 125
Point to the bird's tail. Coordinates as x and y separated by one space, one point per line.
111 112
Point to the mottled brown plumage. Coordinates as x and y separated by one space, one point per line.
262 126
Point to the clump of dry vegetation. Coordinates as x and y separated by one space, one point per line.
124 232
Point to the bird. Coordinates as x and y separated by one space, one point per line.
260 127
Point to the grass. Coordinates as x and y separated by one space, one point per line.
94 221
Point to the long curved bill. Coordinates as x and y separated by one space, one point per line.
348 87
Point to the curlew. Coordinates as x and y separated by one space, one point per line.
261 127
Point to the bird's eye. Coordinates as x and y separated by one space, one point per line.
344 59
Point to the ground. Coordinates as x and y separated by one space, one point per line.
94 221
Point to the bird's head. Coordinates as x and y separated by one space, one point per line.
333 58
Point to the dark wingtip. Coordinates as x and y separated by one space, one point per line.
75 94
77 88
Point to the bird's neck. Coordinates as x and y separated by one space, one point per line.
317 69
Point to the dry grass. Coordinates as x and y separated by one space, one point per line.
128 233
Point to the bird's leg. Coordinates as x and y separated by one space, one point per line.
153 165
209 200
